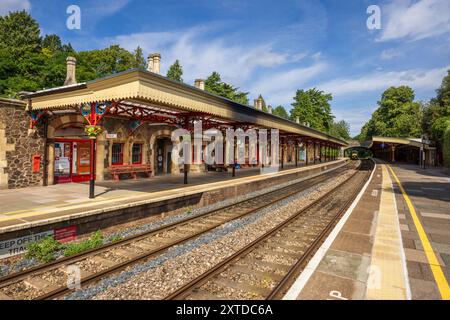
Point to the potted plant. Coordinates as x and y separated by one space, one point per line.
93 131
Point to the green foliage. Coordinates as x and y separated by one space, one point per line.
313 106
47 249
115 238
22 59
175 72
214 84
340 129
446 146
52 43
443 93
281 112
138 61
398 115
44 250
29 62
20 33
100 63
436 115
94 241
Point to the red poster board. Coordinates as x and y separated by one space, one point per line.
66 234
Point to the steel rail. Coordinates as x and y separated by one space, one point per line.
296 268
25 274
203 278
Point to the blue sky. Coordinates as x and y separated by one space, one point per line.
274 48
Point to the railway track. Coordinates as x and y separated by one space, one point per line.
49 281
267 267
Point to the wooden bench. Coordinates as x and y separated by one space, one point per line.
131 169
216 167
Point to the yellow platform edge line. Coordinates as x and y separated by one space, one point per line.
436 269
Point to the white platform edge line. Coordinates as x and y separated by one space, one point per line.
402 248
312 265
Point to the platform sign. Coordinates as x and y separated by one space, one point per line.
12 247
111 136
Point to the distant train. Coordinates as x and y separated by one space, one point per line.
354 155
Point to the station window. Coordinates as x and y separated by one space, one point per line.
137 153
117 154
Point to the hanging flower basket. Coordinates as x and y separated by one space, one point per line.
93 131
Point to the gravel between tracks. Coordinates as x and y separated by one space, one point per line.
156 278
19 263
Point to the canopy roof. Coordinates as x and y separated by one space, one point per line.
414 142
155 91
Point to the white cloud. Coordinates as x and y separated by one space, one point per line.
280 87
389 54
356 117
416 79
13 5
103 8
415 20
317 55
199 55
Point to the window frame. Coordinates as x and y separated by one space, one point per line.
141 147
122 146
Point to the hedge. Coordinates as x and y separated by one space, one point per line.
446 147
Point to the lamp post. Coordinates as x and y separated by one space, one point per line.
93 131
92 169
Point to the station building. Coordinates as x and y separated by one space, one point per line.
44 141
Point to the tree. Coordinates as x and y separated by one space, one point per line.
52 43
398 115
139 60
340 129
281 112
22 60
436 115
175 72
20 33
446 146
313 107
29 62
214 84
99 63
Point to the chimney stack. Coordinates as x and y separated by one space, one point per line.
155 63
297 119
149 63
258 103
199 83
269 109
70 75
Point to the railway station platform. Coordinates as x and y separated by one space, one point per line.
40 209
392 243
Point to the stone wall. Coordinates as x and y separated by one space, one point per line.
17 146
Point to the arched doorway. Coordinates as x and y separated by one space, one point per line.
69 152
163 155
72 154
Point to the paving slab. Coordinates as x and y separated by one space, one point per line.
378 253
